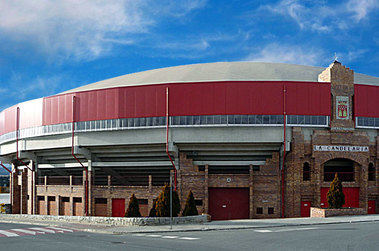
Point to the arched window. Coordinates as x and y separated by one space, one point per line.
371 172
306 171
343 167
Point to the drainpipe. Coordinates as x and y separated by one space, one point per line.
284 144
73 155
167 129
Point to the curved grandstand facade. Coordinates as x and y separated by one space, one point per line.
250 140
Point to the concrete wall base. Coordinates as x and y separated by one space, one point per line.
111 221
327 212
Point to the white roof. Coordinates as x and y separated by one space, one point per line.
221 71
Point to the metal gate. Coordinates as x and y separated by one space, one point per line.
351 196
228 203
371 207
118 207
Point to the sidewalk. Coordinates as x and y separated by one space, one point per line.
209 226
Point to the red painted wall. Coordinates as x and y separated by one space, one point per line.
211 98
303 98
366 100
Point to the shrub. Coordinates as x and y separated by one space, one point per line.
335 196
162 206
190 206
133 208
153 212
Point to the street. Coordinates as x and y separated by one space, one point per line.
347 236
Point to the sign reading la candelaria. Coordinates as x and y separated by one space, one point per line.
341 148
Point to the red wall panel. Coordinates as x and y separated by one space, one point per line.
304 98
226 98
57 109
10 119
366 101
30 113
217 98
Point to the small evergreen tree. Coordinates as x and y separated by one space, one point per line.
335 196
153 212
163 203
190 206
133 208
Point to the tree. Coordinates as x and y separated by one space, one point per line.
133 208
335 196
153 212
190 206
162 206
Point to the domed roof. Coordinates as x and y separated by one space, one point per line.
221 71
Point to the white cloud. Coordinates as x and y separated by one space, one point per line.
361 8
20 87
85 28
321 16
277 53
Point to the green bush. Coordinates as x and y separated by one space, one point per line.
162 206
190 206
153 212
335 196
133 208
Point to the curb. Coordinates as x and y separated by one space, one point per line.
205 228
234 228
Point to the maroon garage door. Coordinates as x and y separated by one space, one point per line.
229 203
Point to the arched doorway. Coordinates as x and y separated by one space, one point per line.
346 170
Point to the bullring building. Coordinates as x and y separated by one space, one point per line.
250 140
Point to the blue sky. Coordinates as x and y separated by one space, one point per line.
48 46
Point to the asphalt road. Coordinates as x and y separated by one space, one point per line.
355 236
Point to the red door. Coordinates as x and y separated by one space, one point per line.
228 203
351 196
371 207
305 209
118 207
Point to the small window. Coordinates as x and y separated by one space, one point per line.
198 202
259 210
41 198
306 172
201 168
142 201
51 198
78 199
371 172
270 210
65 199
100 200
256 168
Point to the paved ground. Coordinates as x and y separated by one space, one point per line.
342 236
214 225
